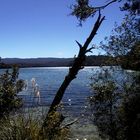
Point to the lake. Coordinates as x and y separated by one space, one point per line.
75 100
49 80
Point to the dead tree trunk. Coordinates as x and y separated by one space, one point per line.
77 65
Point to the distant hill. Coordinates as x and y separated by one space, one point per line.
55 62
37 62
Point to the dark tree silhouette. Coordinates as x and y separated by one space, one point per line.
10 86
78 63
133 6
83 49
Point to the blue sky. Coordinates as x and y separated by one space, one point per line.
44 28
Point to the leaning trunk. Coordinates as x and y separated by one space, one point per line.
73 71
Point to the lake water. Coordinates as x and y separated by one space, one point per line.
49 80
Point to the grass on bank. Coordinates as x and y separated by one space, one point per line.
26 125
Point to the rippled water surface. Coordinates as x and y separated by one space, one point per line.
50 79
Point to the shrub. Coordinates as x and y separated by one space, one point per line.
26 125
10 86
116 109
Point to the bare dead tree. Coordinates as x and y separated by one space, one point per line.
78 64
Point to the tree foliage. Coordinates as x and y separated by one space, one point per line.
104 103
129 114
82 9
10 86
115 107
124 42
132 6
123 37
132 59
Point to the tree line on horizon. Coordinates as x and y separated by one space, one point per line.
91 60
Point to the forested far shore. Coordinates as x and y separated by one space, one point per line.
56 62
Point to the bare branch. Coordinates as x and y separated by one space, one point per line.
71 123
80 46
104 6
82 10
89 50
94 30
